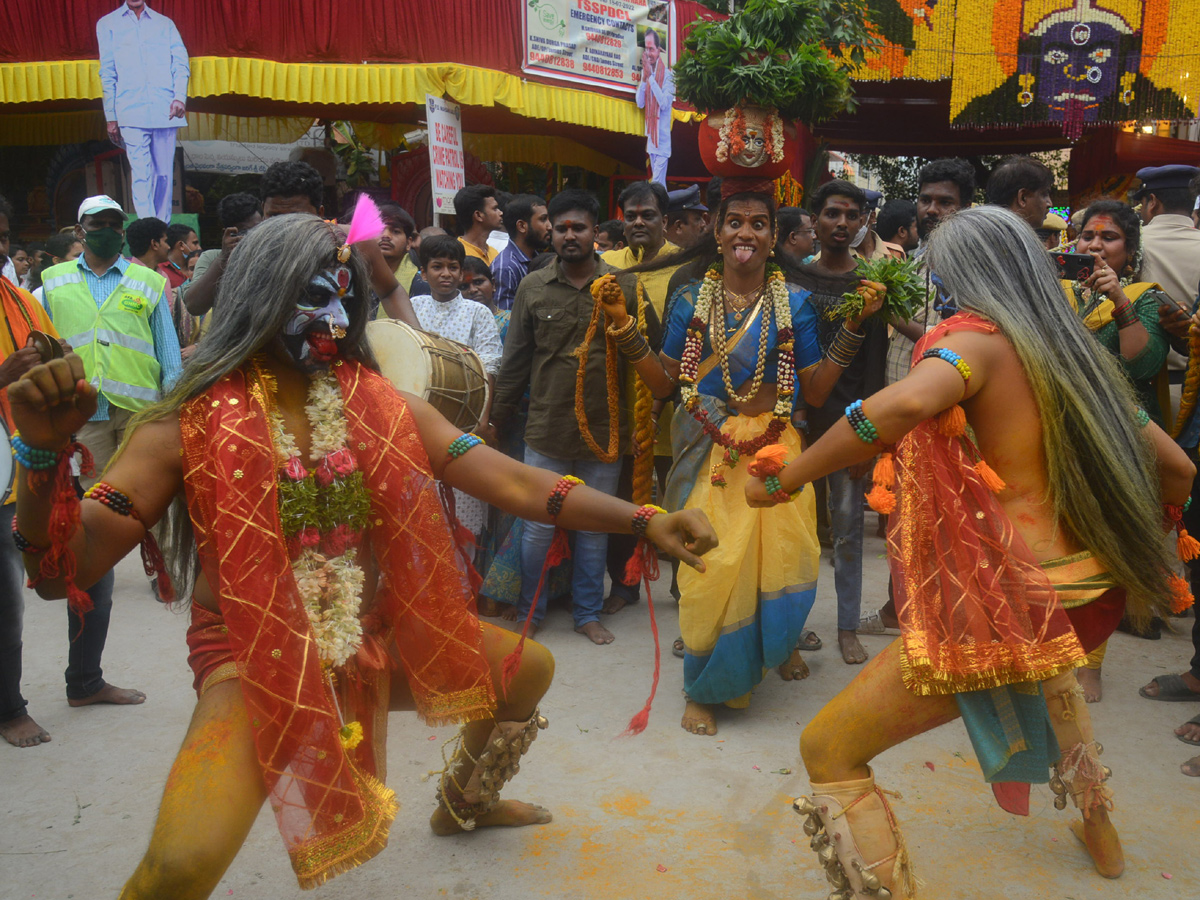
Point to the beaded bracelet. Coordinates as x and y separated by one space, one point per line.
1187 504
863 427
109 496
554 503
775 489
947 355
33 458
1124 315
642 518
23 543
630 342
463 443
1143 419
844 347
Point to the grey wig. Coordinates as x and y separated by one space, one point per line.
266 275
1102 472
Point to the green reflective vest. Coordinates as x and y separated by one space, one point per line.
114 340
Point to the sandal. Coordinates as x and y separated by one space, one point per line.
809 640
1194 720
677 647
872 623
1171 689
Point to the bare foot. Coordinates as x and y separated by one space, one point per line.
614 604
853 653
1098 835
509 613
512 813
1191 768
595 632
23 732
111 694
699 719
487 607
794 668
1089 680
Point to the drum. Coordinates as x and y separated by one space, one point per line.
446 374
8 464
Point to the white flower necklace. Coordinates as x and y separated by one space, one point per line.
331 586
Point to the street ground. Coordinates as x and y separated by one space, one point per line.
665 814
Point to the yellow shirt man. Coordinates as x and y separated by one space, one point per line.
487 253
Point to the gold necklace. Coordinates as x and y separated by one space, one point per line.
716 331
739 303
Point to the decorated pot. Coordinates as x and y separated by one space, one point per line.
747 142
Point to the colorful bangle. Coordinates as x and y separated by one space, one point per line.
947 355
1124 315
1187 504
1143 419
22 542
463 443
105 493
554 503
775 489
630 342
642 518
33 458
863 427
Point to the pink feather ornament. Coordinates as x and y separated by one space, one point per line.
366 224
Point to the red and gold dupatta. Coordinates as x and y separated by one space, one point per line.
331 806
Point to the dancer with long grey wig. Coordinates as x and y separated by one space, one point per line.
325 584
1015 547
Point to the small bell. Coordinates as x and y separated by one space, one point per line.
1099 747
826 856
812 825
820 839
1107 771
1060 802
1056 784
804 806
543 722
870 880
884 894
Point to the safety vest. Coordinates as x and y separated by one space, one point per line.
114 340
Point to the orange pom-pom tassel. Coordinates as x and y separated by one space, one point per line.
1181 594
952 422
885 472
1187 546
988 476
882 500
770 460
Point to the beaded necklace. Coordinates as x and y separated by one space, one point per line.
780 304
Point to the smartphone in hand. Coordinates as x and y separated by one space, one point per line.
1073 266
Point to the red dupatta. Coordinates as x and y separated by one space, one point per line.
976 610
331 807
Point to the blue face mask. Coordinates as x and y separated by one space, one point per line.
320 319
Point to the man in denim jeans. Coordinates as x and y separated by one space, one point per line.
550 317
838 206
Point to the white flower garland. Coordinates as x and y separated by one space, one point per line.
330 589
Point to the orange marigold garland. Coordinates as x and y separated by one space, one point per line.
1191 384
601 287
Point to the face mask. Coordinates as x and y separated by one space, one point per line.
104 242
860 236
320 320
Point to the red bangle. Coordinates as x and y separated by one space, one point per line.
642 518
105 493
554 503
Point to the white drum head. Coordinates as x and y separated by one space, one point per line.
401 355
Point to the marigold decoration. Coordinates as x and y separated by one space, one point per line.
351 735
1191 385
709 318
604 286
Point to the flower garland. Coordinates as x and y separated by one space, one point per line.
323 514
711 298
774 137
732 134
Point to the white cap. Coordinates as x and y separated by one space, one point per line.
99 203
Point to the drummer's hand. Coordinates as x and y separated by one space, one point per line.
608 294
51 402
487 431
17 364
686 535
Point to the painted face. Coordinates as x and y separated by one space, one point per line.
320 320
1077 69
1101 235
754 154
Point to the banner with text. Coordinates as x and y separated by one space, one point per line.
443 118
595 41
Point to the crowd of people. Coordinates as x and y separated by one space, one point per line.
695 365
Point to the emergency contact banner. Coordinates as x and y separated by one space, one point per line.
598 42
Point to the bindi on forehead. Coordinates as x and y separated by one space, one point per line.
572 223
1102 223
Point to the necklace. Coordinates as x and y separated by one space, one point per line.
718 340
699 326
324 514
740 302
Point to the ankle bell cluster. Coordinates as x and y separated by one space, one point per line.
826 844
497 765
